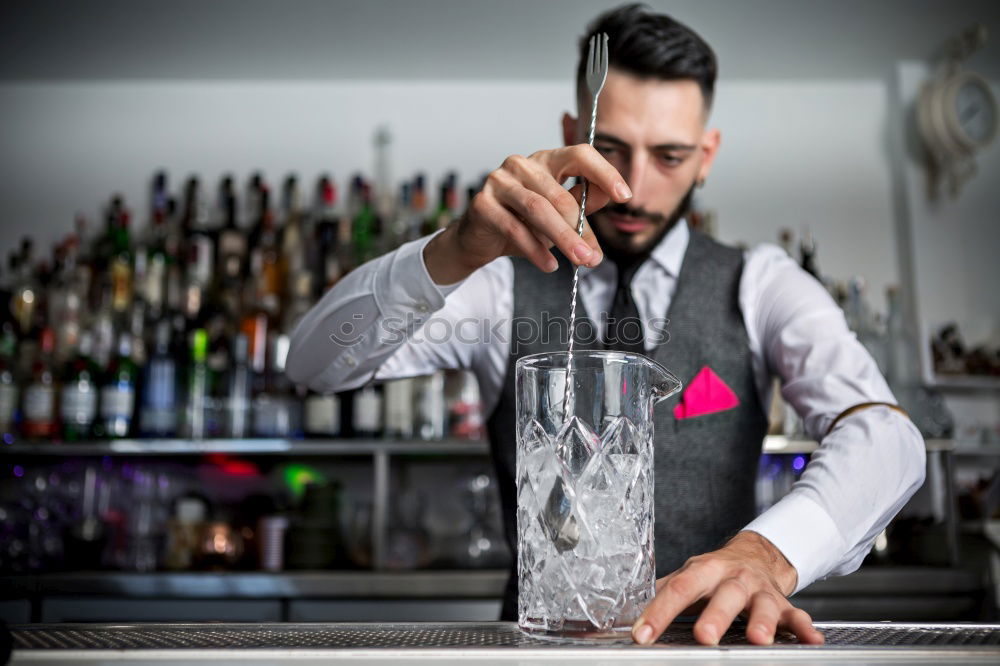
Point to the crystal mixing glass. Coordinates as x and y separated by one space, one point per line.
585 561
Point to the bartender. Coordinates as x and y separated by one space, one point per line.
724 321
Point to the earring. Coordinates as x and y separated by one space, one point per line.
700 183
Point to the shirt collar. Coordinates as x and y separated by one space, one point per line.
669 252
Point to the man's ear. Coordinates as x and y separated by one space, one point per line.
569 130
710 141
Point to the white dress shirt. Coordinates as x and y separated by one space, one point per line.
388 319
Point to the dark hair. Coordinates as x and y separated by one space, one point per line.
651 46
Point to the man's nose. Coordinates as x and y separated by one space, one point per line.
635 175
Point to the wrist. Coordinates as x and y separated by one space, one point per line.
756 548
444 259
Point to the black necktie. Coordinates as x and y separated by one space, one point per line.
625 331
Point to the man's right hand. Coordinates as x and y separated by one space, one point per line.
523 210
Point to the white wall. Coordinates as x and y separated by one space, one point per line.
794 153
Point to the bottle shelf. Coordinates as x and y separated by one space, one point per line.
414 584
280 447
965 383
482 583
773 444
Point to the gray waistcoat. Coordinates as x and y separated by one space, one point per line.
705 466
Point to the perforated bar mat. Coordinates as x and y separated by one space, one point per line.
403 636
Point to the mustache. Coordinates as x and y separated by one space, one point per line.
626 210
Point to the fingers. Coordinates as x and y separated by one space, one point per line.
584 160
538 213
524 206
728 601
533 176
520 237
799 623
596 198
765 611
677 593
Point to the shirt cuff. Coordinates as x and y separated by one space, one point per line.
404 290
805 534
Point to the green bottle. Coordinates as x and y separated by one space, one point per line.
365 227
199 380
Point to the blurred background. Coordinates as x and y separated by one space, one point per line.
180 181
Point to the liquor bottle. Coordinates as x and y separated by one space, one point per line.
198 389
251 198
174 244
399 229
7 287
807 250
232 251
786 239
430 414
399 417
465 407
470 193
151 281
321 415
120 261
200 253
447 203
78 398
345 225
67 296
159 194
299 301
364 231
238 399
382 195
366 411
159 412
293 231
27 293
119 390
137 326
327 235
265 255
39 407
276 413
255 323
298 288
418 206
103 328
8 380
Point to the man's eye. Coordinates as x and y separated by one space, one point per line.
605 150
671 160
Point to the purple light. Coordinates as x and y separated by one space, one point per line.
8 438
18 471
798 463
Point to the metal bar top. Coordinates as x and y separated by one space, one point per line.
493 642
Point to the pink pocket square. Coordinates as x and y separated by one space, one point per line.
706 393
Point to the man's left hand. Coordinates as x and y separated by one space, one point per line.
746 576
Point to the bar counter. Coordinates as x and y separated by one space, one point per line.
485 643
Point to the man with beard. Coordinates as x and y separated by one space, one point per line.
735 320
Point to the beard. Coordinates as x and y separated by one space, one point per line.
617 246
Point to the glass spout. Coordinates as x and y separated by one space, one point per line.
664 384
